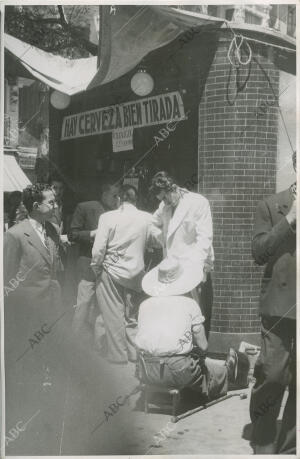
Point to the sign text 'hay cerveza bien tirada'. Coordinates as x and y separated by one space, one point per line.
140 113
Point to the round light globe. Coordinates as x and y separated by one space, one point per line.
142 83
60 100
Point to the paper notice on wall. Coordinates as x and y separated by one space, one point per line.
122 139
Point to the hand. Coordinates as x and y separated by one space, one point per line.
93 233
96 270
64 240
291 216
208 266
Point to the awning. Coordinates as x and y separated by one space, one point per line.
65 75
14 177
126 38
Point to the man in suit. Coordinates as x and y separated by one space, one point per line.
32 304
118 262
82 231
64 209
32 251
274 245
183 225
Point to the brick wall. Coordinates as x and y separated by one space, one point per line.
237 153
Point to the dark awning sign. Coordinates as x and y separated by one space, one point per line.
140 113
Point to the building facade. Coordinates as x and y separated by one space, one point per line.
225 147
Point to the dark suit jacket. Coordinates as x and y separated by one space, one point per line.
274 245
85 220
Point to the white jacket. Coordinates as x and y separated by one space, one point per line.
188 233
120 243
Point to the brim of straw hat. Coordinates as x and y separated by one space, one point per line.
191 275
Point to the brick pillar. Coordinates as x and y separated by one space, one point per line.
237 154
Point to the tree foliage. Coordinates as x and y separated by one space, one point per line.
53 28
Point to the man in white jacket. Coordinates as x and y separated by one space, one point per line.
183 225
118 261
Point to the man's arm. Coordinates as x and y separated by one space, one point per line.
11 257
100 243
198 330
204 230
268 238
199 337
155 234
77 233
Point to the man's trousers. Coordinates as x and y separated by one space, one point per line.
112 299
205 376
275 369
86 318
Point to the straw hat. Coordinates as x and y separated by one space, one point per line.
172 277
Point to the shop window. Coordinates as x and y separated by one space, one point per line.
229 14
251 18
291 21
212 10
273 16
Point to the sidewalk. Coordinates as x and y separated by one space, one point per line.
220 429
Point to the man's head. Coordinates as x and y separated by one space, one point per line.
165 189
109 195
57 187
128 193
39 201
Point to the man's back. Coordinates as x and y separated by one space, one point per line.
120 241
165 324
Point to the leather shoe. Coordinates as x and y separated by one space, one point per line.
231 363
238 368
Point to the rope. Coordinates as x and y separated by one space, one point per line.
237 51
280 112
285 128
258 41
235 48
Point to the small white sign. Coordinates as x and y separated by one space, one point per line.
122 139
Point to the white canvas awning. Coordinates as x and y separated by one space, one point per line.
130 35
14 177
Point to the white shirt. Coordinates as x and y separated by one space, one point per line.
120 244
39 229
165 325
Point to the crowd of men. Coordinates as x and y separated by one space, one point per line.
158 317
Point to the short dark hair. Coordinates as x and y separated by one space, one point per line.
161 181
34 193
106 183
128 193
